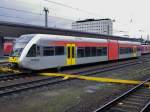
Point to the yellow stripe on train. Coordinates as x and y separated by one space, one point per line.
13 60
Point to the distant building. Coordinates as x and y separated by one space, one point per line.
100 26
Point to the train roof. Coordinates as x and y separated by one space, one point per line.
74 38
69 38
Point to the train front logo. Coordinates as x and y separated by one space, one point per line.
13 60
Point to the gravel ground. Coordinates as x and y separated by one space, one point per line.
75 95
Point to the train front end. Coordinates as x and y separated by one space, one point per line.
16 56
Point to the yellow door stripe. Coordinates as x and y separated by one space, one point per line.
71 49
97 79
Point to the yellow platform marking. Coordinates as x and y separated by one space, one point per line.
97 79
6 69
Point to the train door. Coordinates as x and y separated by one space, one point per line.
134 51
71 54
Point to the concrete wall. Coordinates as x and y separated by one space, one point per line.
1 45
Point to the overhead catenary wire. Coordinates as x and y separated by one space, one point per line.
19 10
28 12
74 8
20 17
56 3
41 14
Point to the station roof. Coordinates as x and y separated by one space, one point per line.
88 20
9 29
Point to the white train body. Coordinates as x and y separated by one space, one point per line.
40 51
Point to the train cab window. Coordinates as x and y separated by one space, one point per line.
32 51
48 51
80 52
87 52
59 50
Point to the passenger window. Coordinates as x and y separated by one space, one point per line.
59 50
80 52
32 51
73 52
48 51
87 52
99 51
122 50
93 51
104 51
68 52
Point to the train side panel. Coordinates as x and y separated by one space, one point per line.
103 45
112 49
44 51
129 49
145 49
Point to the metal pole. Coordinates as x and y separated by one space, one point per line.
108 29
46 16
1 46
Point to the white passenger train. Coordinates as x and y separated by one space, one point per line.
41 51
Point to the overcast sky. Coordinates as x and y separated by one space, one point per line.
131 16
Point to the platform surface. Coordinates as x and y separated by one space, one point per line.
3 59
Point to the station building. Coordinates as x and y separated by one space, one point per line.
99 26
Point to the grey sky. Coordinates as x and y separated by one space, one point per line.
130 15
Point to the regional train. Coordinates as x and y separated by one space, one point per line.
43 51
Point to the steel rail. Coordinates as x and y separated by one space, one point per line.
34 84
51 80
115 101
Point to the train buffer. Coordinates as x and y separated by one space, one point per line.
96 79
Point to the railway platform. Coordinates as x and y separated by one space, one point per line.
3 59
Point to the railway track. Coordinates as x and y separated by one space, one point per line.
22 83
15 76
136 99
97 69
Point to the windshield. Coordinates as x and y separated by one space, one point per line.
20 44
18 48
24 38
16 52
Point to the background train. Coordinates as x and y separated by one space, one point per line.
41 51
8 47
